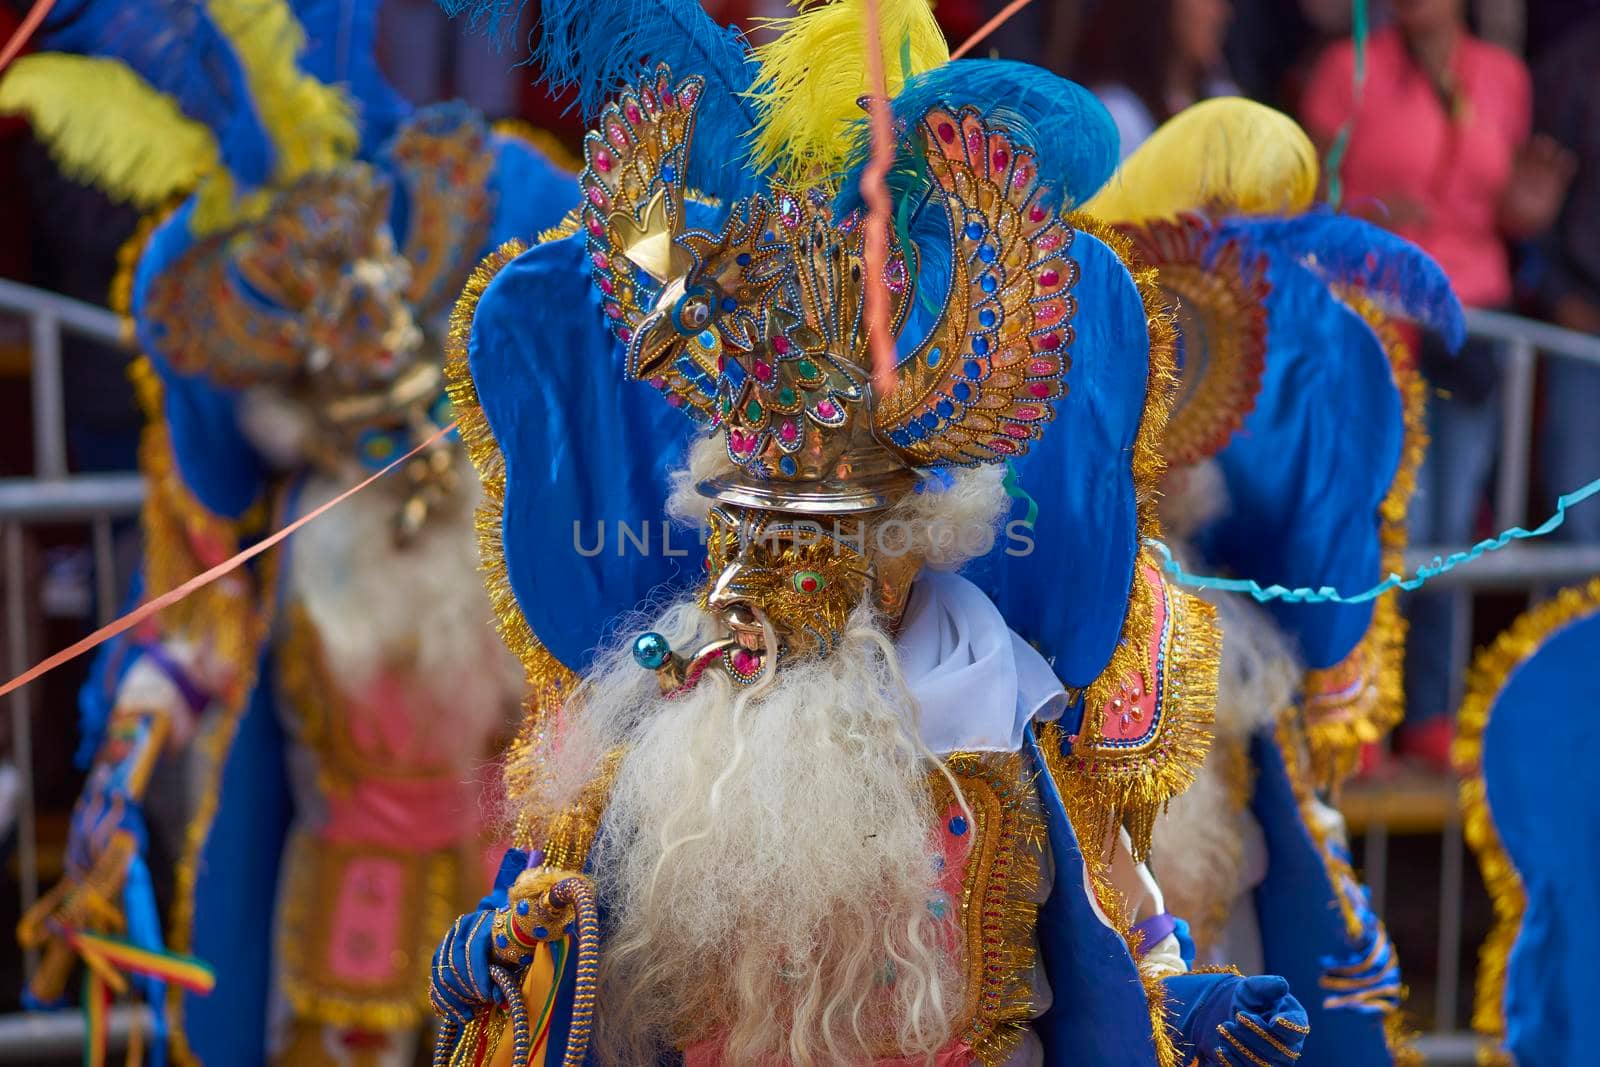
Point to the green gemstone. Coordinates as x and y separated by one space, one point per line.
752 411
786 396
807 369
727 404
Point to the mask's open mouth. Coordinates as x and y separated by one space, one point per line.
742 653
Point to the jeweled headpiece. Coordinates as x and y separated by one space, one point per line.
758 329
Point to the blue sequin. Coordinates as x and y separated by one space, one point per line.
540 933
974 230
972 369
945 409
729 305
743 259
958 825
987 283
522 907
980 345
934 355
787 466
501 940
930 421
669 174
986 318
986 253
962 391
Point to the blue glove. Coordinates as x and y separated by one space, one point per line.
460 985
1230 1021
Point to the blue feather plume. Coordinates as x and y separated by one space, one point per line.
173 45
1401 277
341 49
601 47
1059 120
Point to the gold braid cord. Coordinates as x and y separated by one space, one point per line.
1357 701
1490 672
1098 867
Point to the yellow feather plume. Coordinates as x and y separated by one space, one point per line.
1225 156
107 126
312 125
814 73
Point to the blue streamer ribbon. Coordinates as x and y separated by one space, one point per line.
1328 595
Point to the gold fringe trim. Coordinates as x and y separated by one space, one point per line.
1131 786
1098 866
1490 672
548 679
542 141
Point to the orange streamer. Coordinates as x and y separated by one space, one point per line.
30 24
166 600
989 27
875 194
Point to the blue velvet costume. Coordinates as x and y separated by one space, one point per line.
324 281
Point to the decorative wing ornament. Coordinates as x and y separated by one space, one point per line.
758 329
981 384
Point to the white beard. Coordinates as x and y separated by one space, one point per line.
421 609
765 856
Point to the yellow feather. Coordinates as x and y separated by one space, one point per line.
107 126
312 125
1225 156
814 73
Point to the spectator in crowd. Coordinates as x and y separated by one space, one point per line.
1439 150
1147 60
1567 109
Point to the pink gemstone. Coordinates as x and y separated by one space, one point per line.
746 662
1017 431
947 132
674 400
827 409
974 144
738 440
602 161
1039 390
1028 411
1047 312
1000 444
612 311
606 287
1037 213
649 99
618 138
632 111
599 259
1050 342
1049 241
658 382
1020 177
1041 366
595 228
623 334
666 95
1049 278
763 371
1001 157
788 431
780 344
597 196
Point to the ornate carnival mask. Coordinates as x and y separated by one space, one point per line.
758 331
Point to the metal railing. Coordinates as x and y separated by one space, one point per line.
55 496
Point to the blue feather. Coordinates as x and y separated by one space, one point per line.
1401 277
1060 121
173 45
341 49
601 47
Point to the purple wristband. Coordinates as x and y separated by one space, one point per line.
192 694
1156 929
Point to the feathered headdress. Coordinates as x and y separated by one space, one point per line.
169 97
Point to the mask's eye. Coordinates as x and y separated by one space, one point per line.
809 582
693 312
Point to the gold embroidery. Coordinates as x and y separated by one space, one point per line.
1490 671
1118 784
999 898
316 872
443 157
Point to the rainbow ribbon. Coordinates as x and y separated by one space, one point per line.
107 960
1328 595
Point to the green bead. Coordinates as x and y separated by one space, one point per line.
807 369
752 411
786 396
